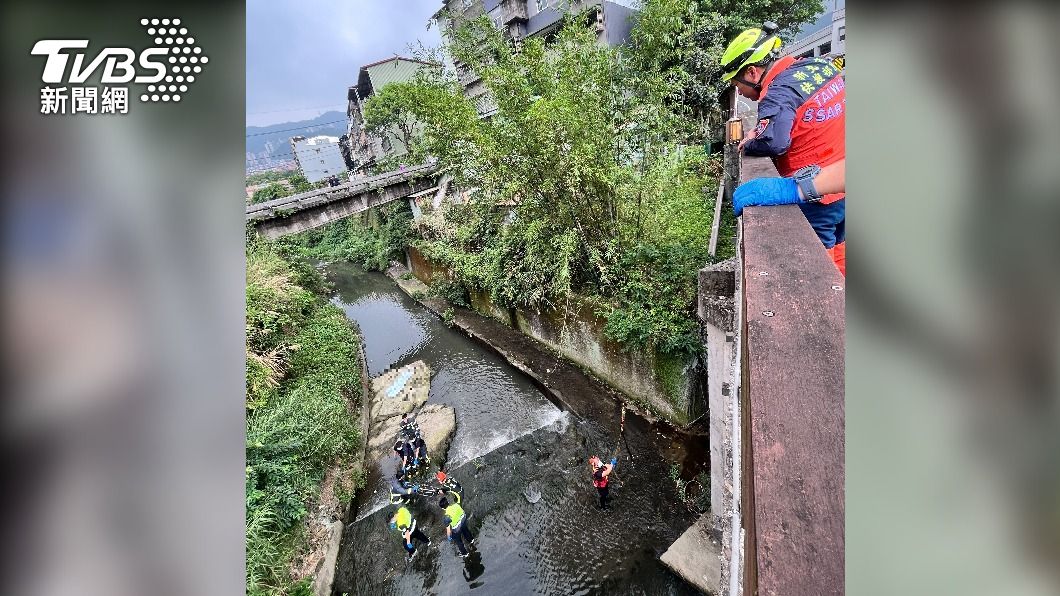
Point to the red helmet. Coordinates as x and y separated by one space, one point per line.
440 476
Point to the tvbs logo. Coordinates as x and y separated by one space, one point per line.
167 69
119 63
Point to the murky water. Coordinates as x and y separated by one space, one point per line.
510 437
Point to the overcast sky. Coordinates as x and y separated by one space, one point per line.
304 54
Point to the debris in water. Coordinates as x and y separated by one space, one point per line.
532 493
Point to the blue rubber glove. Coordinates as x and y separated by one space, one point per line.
765 191
415 488
614 462
449 538
415 462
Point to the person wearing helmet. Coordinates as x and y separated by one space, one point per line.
449 487
801 126
447 482
403 522
456 526
600 476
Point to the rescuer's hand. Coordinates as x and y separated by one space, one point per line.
765 191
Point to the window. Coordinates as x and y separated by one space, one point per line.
806 54
842 33
825 48
541 4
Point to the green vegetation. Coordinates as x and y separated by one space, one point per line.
297 183
303 382
589 178
677 46
371 245
269 176
582 186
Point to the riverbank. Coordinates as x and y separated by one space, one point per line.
575 388
303 421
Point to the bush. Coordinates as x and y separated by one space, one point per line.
351 239
303 374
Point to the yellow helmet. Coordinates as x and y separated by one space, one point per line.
750 47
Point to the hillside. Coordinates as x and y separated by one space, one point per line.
270 146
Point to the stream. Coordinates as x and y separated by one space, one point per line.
510 437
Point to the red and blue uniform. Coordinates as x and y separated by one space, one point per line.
802 121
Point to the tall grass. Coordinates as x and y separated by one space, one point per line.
303 374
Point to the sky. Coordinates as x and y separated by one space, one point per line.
303 55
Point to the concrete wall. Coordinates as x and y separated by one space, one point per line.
482 304
577 333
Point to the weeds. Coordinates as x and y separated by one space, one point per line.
302 374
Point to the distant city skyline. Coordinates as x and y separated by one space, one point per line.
302 56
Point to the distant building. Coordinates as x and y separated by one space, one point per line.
318 157
520 19
825 36
360 149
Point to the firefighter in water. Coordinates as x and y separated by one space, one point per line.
600 474
801 126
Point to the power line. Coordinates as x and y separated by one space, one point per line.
271 132
334 105
324 150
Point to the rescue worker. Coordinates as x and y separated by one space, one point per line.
447 481
801 126
401 492
456 526
600 474
449 487
403 522
419 450
403 451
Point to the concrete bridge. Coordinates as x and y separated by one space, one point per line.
774 323
308 210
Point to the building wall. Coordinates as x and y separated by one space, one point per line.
826 35
319 157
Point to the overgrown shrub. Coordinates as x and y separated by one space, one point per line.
351 239
303 376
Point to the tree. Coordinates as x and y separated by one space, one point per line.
679 43
270 192
430 113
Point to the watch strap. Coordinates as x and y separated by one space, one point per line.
804 178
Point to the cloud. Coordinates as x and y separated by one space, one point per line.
301 56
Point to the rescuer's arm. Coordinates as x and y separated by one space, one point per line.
785 191
776 117
832 179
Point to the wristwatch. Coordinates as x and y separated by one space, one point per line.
804 178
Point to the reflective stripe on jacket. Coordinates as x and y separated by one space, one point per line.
455 514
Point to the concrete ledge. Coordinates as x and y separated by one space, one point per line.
696 556
717 288
793 381
325 576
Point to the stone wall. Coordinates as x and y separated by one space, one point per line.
575 331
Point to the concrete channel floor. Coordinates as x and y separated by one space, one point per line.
696 557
